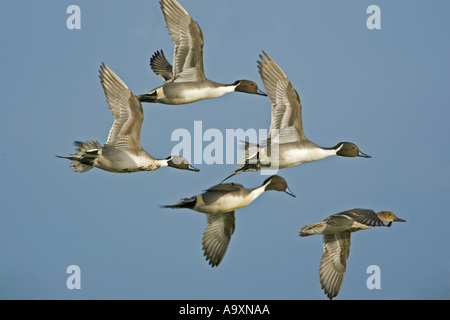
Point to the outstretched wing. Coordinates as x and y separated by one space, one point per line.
126 109
336 249
217 236
188 39
286 124
161 66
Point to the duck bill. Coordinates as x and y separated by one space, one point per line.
363 155
261 93
192 168
289 192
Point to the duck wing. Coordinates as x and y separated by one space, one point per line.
217 236
333 264
364 216
286 118
161 66
126 109
188 39
227 187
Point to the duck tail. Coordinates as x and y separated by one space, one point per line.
244 168
149 97
183 203
83 160
308 230
250 151
303 234
250 162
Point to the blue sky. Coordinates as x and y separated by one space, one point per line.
385 90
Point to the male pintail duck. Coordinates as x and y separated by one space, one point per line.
123 151
185 82
286 140
219 203
336 231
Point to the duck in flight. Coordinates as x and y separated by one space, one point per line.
219 203
336 231
287 144
185 81
123 151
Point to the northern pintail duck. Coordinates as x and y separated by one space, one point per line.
219 203
185 82
336 231
286 140
123 151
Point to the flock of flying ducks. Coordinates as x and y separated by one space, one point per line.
185 82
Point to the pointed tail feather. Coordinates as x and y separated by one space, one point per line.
304 234
311 229
246 167
251 151
231 175
183 203
250 161
83 160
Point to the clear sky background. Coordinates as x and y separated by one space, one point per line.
386 90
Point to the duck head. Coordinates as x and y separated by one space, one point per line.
179 162
277 183
388 216
349 149
248 86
